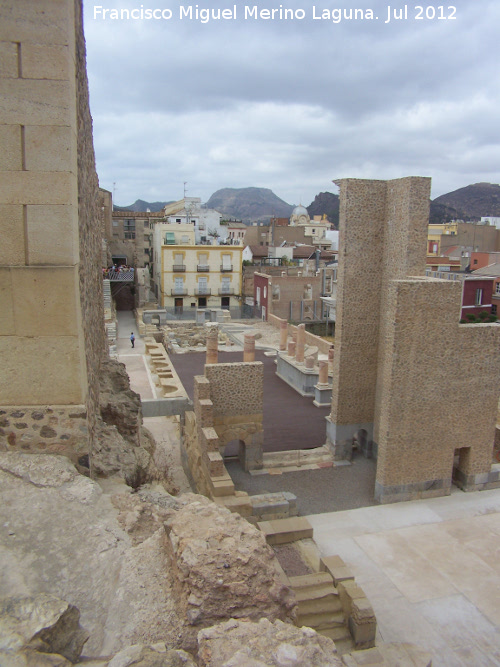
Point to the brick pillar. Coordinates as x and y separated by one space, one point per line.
283 334
249 347
301 343
212 346
323 372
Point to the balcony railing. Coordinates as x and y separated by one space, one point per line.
203 268
202 291
179 268
226 268
177 291
120 275
225 291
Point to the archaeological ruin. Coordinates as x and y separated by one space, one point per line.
399 387
106 563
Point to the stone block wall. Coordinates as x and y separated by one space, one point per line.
419 385
52 327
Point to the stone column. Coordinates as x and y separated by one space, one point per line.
330 360
212 345
323 372
291 348
283 334
249 347
301 343
310 362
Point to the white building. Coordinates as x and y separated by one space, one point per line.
206 221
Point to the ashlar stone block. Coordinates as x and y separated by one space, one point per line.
8 60
41 22
11 158
35 102
43 61
45 301
52 235
7 321
50 148
12 251
51 372
27 187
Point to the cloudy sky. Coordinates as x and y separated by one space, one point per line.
291 104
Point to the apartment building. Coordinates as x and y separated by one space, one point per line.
190 275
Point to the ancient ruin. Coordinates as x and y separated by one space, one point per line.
408 401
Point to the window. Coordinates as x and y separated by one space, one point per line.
479 297
115 223
497 288
178 220
129 229
475 261
146 224
494 309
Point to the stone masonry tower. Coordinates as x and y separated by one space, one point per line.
415 388
51 319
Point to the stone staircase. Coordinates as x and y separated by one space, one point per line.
320 607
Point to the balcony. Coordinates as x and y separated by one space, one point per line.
179 268
226 291
202 291
226 268
203 268
177 291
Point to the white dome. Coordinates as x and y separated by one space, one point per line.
300 210
299 216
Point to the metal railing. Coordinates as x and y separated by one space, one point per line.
202 291
179 268
178 292
225 291
226 268
119 276
203 268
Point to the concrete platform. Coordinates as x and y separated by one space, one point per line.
430 569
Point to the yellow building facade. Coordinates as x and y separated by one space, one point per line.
200 276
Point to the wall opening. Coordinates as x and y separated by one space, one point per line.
461 459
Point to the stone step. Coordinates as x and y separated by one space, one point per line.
338 635
320 603
310 581
322 621
283 531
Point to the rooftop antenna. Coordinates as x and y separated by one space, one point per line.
185 189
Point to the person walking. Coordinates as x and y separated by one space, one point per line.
132 338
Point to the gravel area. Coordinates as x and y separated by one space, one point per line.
290 560
323 490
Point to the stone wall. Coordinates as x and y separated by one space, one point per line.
417 386
90 234
52 328
53 430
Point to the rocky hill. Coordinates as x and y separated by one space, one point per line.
248 204
469 203
141 205
326 203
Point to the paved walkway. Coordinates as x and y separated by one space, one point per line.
431 570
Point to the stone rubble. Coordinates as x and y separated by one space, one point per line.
264 644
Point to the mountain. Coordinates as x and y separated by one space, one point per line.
326 203
469 203
249 204
141 205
